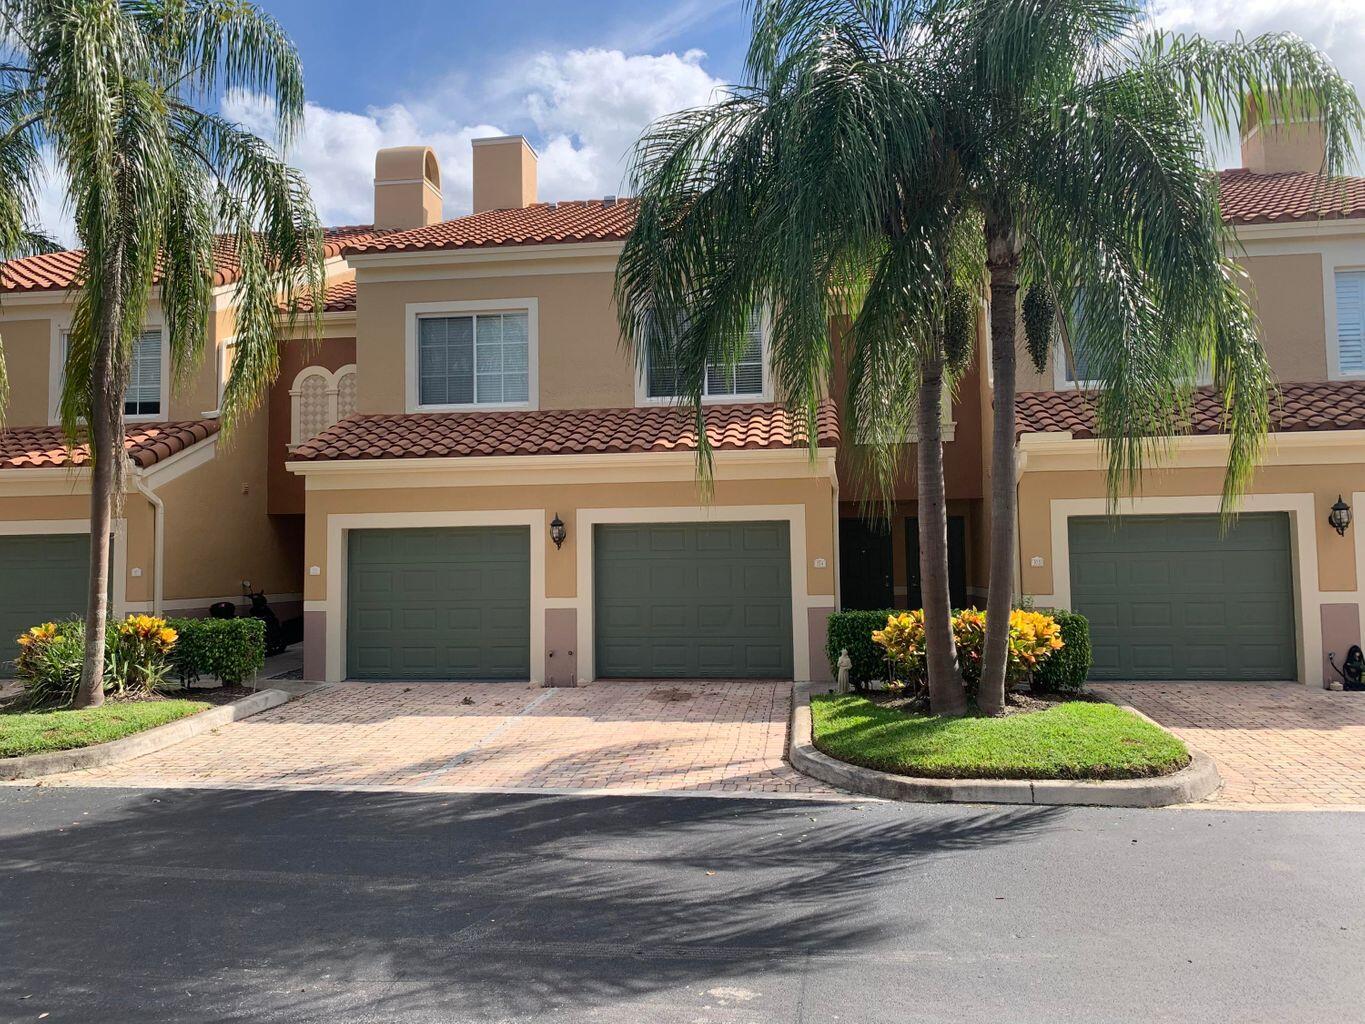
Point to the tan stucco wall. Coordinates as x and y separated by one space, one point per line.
28 355
217 530
1286 292
815 493
581 362
1336 555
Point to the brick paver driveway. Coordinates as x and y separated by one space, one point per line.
692 736
1275 743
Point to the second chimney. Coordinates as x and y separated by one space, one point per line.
504 173
1291 140
407 188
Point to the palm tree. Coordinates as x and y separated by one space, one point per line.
1088 163
820 189
114 90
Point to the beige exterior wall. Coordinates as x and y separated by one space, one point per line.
581 363
1287 294
775 485
28 360
1302 475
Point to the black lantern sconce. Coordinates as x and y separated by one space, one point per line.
1340 517
557 531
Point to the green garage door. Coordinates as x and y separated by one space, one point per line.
42 578
693 600
439 604
1171 597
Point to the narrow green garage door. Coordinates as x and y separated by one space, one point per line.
439 604
1170 597
693 600
42 578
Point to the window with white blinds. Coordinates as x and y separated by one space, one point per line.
744 379
477 359
1351 321
142 396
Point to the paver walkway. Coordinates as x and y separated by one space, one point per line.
1275 743
693 736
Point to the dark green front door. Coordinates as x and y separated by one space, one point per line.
692 600
447 603
42 579
957 563
1172 597
865 564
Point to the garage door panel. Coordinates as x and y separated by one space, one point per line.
697 599
440 603
1226 611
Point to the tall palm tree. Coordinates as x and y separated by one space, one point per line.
1088 163
116 91
820 189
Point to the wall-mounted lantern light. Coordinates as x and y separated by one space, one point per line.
1340 516
557 531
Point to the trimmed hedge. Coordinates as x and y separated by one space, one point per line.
232 650
1064 672
853 629
1067 670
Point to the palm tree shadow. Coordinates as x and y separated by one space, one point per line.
297 903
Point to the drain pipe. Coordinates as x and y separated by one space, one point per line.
158 538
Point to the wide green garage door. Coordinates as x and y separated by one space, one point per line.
1172 597
42 578
439 604
693 600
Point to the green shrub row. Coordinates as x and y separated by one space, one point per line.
1064 672
233 650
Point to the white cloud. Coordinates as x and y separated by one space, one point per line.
583 110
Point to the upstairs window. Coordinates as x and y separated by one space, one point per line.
478 359
319 399
142 397
1350 321
743 380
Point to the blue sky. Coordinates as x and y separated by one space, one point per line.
580 80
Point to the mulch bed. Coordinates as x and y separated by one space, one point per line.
1017 702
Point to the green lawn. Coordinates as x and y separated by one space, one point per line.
1076 740
37 732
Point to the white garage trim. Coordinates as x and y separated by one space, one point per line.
1303 541
794 515
339 525
118 563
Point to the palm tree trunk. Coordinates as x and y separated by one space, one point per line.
947 695
106 443
1003 263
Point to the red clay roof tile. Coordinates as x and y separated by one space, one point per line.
61 270
1249 198
146 444
563 432
339 298
584 220
1312 405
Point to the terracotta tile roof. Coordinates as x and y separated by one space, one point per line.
339 298
583 220
146 444
61 270
1313 405
657 428
1249 198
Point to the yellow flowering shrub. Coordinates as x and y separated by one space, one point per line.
903 640
1033 637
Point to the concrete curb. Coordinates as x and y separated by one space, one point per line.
1196 781
37 765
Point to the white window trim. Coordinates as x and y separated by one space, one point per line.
415 311
765 394
1059 378
1335 371
333 378
61 326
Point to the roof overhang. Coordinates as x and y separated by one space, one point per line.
1060 451
523 470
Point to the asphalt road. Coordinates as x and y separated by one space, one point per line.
153 905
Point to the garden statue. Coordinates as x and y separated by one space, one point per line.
845 667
